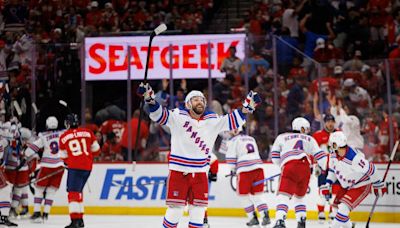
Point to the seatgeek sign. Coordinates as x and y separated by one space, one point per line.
106 58
116 185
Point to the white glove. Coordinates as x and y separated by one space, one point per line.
252 101
317 170
147 92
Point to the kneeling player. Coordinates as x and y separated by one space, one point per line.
243 154
355 175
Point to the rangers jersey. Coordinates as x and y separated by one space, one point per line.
49 142
243 153
295 146
192 140
353 170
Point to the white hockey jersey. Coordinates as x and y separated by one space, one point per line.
295 146
243 154
13 155
49 141
192 140
353 170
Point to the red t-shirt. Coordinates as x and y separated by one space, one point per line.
326 83
115 126
79 146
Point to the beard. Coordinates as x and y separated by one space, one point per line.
199 109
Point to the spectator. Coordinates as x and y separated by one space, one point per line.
296 99
255 61
290 20
354 64
222 91
285 48
231 64
111 149
144 134
358 96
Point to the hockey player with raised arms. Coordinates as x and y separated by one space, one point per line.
291 152
355 174
51 166
244 158
193 133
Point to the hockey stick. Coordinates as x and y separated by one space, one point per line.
161 28
266 179
384 178
45 177
117 183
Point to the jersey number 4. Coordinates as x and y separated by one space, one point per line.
78 147
299 145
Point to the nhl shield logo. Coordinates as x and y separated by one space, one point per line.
176 193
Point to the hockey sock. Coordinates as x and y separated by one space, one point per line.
247 205
38 198
5 208
24 196
196 216
342 217
282 206
16 197
48 202
74 199
321 203
260 203
172 216
300 208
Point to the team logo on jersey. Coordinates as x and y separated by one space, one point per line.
175 193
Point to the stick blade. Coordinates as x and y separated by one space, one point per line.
161 28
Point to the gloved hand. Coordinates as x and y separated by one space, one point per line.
317 170
212 176
147 92
252 101
380 191
326 191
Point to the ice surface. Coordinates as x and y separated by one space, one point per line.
111 221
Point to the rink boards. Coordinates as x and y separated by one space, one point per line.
116 189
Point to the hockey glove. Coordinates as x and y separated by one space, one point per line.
380 191
147 92
326 191
212 177
252 101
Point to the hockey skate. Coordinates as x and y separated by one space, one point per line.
4 221
266 220
13 213
254 221
321 217
81 224
205 223
45 217
301 223
331 216
36 217
24 213
280 224
74 224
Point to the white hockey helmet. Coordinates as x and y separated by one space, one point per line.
25 133
301 123
337 140
194 93
51 122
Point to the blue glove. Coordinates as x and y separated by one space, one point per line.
252 101
147 92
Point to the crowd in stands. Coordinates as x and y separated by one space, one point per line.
351 46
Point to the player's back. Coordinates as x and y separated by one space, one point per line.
79 144
292 146
243 150
51 155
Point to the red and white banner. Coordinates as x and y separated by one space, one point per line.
106 57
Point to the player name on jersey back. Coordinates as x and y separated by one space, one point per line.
79 134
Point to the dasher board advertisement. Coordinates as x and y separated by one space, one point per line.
106 58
